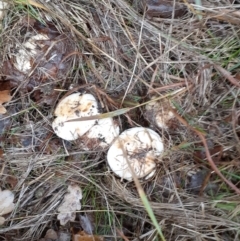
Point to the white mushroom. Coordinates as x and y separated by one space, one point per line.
92 133
158 113
138 147
27 52
74 106
105 130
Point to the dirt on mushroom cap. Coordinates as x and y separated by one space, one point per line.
93 133
77 105
74 106
140 147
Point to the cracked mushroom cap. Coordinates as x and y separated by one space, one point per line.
93 134
139 147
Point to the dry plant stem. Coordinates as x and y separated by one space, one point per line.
143 196
167 87
122 235
125 110
227 75
204 184
209 158
153 79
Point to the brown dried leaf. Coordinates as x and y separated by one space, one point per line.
237 76
164 9
82 236
1 153
51 234
229 16
12 181
216 153
4 97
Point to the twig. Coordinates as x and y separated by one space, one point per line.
122 235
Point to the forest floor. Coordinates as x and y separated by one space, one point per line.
181 54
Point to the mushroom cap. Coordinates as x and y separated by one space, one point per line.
139 147
28 51
93 133
77 105
71 131
105 130
159 113
74 106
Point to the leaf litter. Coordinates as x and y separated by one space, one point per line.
4 97
6 204
71 204
139 51
38 61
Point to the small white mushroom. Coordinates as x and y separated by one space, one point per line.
92 133
138 147
27 52
158 113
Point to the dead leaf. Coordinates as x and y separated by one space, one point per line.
64 236
164 9
51 234
69 206
196 182
6 203
4 97
237 76
230 16
216 152
1 153
86 224
11 180
82 236
38 60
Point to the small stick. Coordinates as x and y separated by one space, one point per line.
120 233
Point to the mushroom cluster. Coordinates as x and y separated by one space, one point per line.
93 134
135 152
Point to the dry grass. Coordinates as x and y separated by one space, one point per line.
128 56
